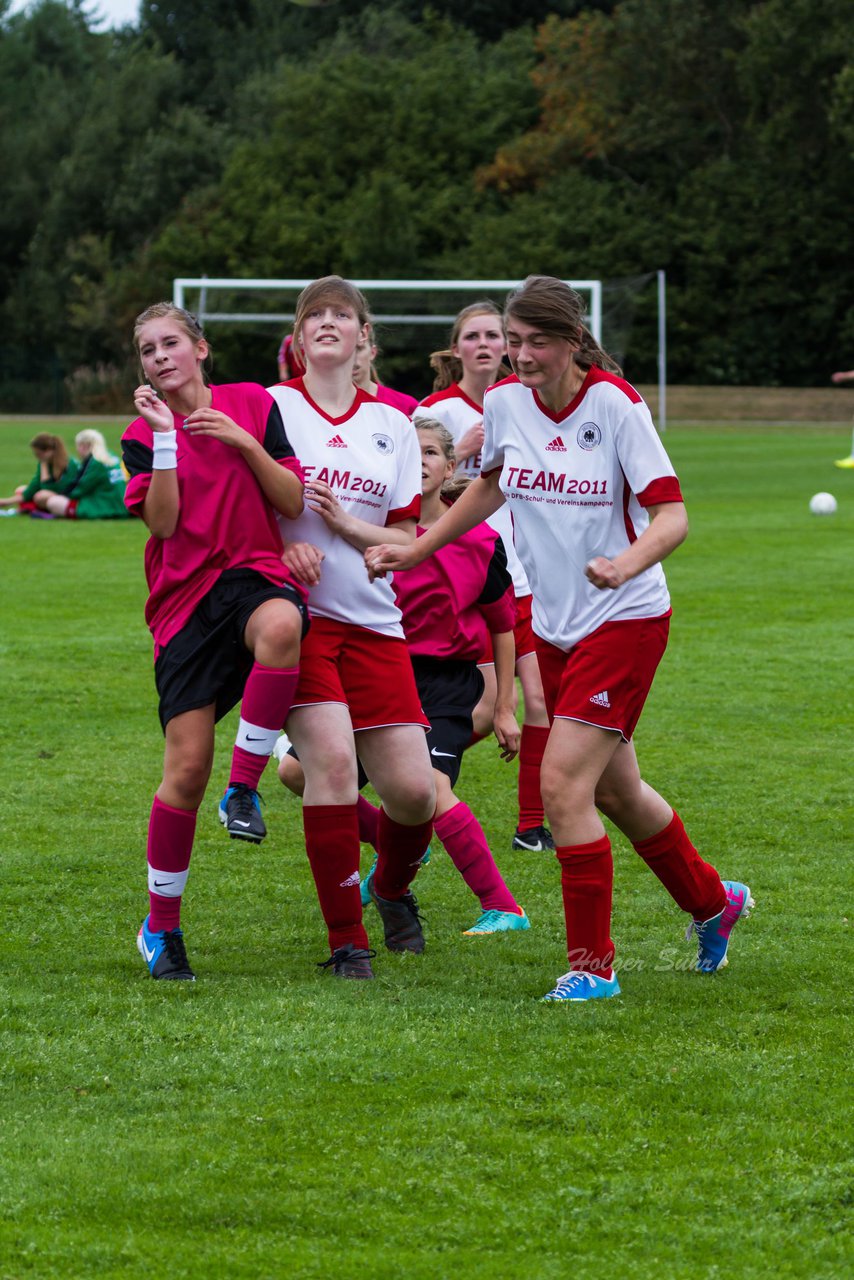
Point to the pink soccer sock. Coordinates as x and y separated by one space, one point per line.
531 751
463 837
587 882
369 817
693 884
266 702
332 845
399 853
170 843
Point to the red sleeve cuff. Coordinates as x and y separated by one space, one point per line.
412 512
666 489
490 472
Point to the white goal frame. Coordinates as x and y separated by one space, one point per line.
593 288
203 283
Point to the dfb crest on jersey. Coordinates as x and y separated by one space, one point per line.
589 435
384 444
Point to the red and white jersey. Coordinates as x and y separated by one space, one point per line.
371 460
578 483
457 412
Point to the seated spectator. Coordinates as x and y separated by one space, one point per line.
96 492
54 471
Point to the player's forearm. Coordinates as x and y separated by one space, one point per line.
504 653
667 529
162 504
361 534
480 500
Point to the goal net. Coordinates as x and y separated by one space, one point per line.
411 318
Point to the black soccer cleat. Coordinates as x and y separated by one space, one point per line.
534 840
349 961
401 921
240 813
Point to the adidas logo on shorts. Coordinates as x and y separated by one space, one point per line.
600 699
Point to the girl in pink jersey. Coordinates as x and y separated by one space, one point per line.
572 449
464 371
362 482
210 467
366 377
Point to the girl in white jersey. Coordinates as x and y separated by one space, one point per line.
464 371
572 449
363 481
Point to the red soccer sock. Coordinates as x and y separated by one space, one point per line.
266 702
332 845
464 839
399 853
693 884
587 882
170 843
369 818
531 751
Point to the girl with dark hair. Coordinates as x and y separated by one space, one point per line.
572 449
55 472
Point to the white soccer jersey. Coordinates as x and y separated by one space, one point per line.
457 412
577 484
372 461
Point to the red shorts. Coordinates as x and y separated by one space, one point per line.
523 634
604 680
370 673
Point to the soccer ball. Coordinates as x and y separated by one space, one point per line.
822 504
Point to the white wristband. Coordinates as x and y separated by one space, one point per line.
165 448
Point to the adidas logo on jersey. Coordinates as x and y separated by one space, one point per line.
556 446
600 699
336 443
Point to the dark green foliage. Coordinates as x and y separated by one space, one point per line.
712 140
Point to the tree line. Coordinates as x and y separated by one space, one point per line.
712 139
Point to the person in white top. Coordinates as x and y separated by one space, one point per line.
362 466
464 371
572 449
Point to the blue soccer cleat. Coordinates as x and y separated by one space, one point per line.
164 953
713 935
497 922
365 885
583 986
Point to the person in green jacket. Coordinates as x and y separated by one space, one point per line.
96 492
55 471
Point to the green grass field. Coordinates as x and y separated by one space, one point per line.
268 1121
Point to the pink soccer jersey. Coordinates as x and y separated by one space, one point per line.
577 484
397 399
457 412
455 597
371 459
225 521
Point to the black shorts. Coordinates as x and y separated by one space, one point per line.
449 689
207 661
